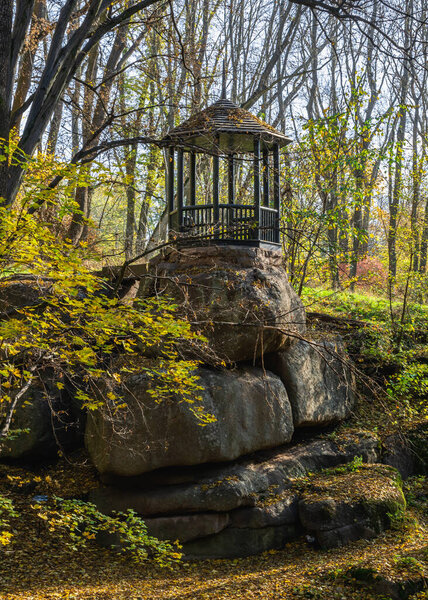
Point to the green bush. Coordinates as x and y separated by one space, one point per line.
77 523
7 512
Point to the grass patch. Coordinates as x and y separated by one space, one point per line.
364 307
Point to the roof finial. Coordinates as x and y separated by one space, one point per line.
223 89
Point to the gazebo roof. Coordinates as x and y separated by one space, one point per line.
224 127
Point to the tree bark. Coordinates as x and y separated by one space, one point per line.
398 175
6 14
130 164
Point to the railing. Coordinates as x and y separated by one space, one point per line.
235 223
269 225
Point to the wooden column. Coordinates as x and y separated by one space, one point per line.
192 199
180 187
276 193
170 182
216 192
231 179
257 187
265 177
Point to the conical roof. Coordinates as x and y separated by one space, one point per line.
224 127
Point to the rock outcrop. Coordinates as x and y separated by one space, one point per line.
342 507
240 298
318 379
250 407
408 450
236 484
332 508
46 422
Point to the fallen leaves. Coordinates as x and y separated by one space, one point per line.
37 565
40 568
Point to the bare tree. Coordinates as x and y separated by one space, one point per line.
64 57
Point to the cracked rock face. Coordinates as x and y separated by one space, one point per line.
319 381
239 298
187 527
235 485
263 502
250 407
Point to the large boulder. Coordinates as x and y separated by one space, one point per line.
239 298
46 421
351 504
238 484
407 451
319 381
398 453
250 407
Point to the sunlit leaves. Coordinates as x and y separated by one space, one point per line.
78 522
75 323
7 512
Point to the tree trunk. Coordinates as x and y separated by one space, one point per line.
416 190
130 164
424 242
357 223
81 197
398 176
6 13
147 199
54 129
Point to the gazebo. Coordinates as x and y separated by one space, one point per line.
224 131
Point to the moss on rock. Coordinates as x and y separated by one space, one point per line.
342 505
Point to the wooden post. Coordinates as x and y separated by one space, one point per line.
170 182
257 187
216 193
276 192
231 179
265 177
180 187
192 200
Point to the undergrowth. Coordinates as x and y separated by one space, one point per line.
386 342
365 307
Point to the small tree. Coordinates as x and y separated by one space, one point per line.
75 323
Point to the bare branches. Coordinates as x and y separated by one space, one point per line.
15 403
355 12
61 64
24 10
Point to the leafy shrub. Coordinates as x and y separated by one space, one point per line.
410 563
409 390
7 512
77 523
77 324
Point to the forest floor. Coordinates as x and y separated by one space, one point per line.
39 564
